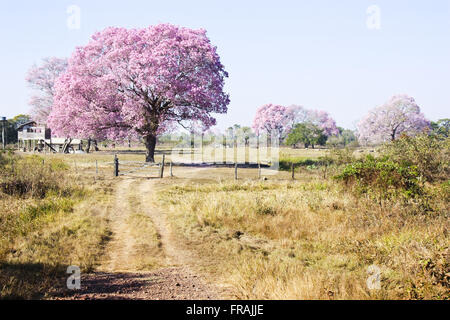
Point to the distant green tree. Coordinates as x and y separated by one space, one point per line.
245 134
11 127
308 134
441 127
343 139
346 136
20 119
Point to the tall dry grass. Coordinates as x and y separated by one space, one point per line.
49 219
313 239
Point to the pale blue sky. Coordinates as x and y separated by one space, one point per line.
319 53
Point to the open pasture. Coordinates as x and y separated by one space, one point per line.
260 238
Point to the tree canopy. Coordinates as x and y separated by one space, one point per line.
42 79
141 81
307 133
400 115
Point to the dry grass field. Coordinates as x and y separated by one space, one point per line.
308 239
42 235
270 238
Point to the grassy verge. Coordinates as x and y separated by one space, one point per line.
41 234
311 240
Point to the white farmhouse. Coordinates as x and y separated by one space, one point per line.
34 137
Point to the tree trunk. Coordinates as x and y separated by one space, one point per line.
96 146
235 156
150 144
88 148
192 146
247 151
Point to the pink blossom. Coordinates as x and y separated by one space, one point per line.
139 80
324 121
400 115
42 78
272 118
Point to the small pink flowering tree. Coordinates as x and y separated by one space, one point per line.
400 115
141 81
281 120
324 121
297 114
42 78
270 119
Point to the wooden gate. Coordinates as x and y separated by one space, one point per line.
138 168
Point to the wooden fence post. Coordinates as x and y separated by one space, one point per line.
293 170
116 166
171 173
162 166
259 170
235 171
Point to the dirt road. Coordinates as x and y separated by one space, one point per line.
118 277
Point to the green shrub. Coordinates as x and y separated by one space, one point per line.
429 153
285 163
382 177
341 156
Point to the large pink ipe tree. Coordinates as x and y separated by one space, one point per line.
400 115
42 79
140 81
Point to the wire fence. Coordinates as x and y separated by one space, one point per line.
131 167
141 169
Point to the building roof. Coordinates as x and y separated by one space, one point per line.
26 124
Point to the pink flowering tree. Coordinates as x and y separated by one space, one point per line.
140 81
42 79
272 119
400 115
281 120
324 121
297 114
